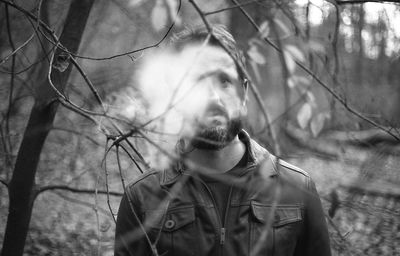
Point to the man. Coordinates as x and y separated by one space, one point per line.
226 195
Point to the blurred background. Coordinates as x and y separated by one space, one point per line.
325 96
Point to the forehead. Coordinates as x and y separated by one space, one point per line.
207 59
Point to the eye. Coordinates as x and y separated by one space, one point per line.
225 80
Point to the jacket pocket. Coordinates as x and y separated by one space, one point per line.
178 218
274 230
174 231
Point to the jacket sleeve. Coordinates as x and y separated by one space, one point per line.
315 237
129 235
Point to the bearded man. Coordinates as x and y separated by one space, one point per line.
226 195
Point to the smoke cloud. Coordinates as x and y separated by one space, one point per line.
173 98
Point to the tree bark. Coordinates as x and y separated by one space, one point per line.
360 40
22 187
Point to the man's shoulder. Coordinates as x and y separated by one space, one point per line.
294 175
289 172
292 169
149 178
146 191
264 158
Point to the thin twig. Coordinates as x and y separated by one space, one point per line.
133 159
5 183
29 66
88 82
285 69
17 49
172 102
364 1
82 203
137 50
120 168
319 81
230 7
96 211
10 95
125 136
342 238
76 190
253 88
152 247
50 31
78 111
106 180
77 133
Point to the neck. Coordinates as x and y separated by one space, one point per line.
219 160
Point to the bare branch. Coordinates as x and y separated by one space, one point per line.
370 136
5 183
377 188
77 133
51 32
89 83
78 111
338 2
45 56
133 159
12 79
319 81
230 7
342 238
17 49
82 203
285 70
76 190
120 169
253 88
106 175
124 137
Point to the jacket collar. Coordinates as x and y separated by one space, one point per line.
255 155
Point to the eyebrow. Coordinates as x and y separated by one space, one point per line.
216 72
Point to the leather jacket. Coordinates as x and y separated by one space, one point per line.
275 211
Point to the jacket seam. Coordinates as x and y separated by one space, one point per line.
140 178
133 201
293 168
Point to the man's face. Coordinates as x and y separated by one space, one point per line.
216 79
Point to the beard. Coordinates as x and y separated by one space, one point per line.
216 138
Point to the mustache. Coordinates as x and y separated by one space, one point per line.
216 109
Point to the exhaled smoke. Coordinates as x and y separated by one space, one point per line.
173 100
176 88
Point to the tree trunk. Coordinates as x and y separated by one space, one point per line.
242 30
21 187
360 40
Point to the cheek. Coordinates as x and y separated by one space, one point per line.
234 108
193 102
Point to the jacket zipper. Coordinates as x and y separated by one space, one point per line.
222 238
228 203
222 229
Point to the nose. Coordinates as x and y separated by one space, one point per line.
212 91
213 94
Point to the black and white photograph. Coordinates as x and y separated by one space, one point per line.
199 128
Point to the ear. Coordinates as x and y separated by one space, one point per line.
243 110
245 91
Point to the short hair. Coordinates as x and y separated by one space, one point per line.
219 37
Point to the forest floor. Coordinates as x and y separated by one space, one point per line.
364 223
70 224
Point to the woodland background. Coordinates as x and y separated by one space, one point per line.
325 96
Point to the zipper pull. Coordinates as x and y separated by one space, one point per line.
222 239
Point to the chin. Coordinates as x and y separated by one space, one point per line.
217 137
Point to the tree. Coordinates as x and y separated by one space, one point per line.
21 187
295 64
